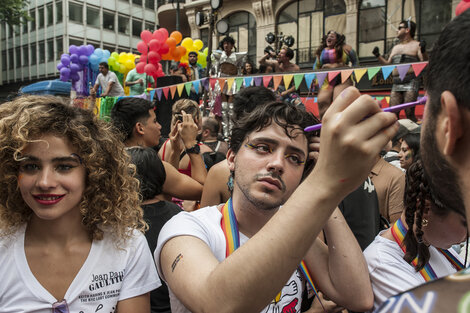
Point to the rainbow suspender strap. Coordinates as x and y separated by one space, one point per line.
399 231
229 227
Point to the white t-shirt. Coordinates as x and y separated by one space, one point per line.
108 275
389 272
205 225
103 81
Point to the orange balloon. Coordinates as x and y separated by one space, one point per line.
181 50
171 42
177 36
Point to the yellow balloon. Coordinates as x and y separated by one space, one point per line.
198 44
129 64
187 43
205 50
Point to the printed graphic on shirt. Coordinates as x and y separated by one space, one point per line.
289 299
103 286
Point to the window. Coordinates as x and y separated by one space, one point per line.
33 59
41 17
10 31
50 50
32 23
50 14
136 28
243 30
93 17
108 21
58 12
109 48
371 28
76 42
150 4
4 60
25 26
138 2
4 30
25 55
18 56
75 12
205 36
123 25
42 53
10 59
431 17
59 44
150 26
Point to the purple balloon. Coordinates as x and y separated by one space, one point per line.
80 66
83 59
74 58
74 68
60 66
65 73
82 50
73 49
90 49
65 59
75 77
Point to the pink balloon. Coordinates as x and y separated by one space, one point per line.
154 57
165 33
140 67
158 35
142 47
160 73
155 45
164 49
143 58
150 69
146 36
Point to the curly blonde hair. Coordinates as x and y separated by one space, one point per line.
110 201
188 106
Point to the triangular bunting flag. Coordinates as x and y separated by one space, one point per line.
379 98
345 75
321 78
402 70
248 81
387 99
258 80
359 73
267 80
180 88
159 93
173 91
372 71
196 85
332 75
165 91
298 80
230 83
277 81
309 79
287 80
205 83
187 87
418 67
387 70
212 82
152 95
222 82
238 83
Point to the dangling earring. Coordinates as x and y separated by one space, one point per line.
424 223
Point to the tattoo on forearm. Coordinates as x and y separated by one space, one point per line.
175 262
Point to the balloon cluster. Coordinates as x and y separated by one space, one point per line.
98 56
160 45
70 65
122 62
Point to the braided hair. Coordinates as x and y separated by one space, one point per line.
417 193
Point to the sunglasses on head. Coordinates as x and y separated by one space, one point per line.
60 307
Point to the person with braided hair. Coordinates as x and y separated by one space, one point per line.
399 259
333 53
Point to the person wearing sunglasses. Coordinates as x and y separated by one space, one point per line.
407 50
71 226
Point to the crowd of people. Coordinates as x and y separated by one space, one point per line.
368 214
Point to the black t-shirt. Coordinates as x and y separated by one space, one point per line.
156 215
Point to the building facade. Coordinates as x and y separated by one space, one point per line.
31 51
